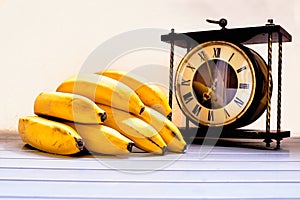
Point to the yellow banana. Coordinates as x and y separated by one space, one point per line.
105 91
142 134
150 94
49 136
70 107
102 139
167 130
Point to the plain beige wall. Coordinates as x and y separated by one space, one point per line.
42 42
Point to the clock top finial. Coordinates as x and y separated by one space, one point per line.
222 22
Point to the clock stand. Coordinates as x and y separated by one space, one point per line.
267 34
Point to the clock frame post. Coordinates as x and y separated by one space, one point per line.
267 34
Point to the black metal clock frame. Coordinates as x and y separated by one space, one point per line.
267 34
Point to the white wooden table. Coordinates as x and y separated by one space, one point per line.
239 170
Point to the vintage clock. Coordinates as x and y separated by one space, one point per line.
222 83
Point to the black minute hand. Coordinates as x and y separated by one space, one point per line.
204 57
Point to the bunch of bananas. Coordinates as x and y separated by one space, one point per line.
108 112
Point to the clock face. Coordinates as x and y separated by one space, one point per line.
215 83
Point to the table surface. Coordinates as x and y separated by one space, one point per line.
232 169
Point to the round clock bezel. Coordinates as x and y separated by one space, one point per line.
183 64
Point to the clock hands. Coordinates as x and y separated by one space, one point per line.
209 72
209 94
210 90
216 99
211 84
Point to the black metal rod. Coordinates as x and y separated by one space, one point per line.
171 73
279 82
268 117
187 121
268 139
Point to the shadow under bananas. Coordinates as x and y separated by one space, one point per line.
82 154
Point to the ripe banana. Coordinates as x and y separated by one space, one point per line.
67 106
142 134
49 136
150 94
102 139
104 90
167 130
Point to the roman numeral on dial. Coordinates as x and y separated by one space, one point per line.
241 69
185 82
227 115
202 56
238 102
190 67
230 57
187 97
210 116
196 110
217 52
244 86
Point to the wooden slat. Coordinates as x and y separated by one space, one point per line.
162 176
146 165
127 190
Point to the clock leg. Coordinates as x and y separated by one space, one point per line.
278 144
268 142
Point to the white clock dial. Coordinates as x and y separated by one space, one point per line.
215 83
